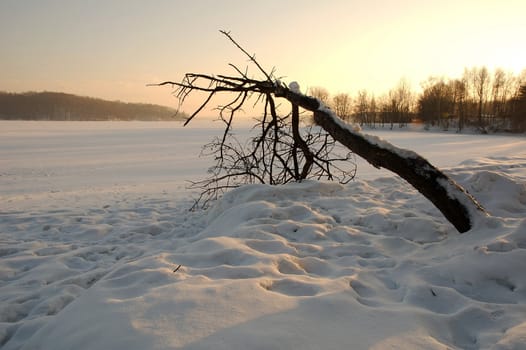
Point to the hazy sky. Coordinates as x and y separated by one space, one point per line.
113 48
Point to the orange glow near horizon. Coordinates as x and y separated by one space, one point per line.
113 50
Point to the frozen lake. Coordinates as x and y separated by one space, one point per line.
65 158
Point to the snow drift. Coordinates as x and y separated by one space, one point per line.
312 265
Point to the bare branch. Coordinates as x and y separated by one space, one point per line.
199 109
251 57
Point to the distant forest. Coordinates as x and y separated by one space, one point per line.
480 99
62 106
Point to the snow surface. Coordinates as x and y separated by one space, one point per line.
99 251
295 87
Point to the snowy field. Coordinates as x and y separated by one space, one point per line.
99 251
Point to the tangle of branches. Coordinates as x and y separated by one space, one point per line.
281 151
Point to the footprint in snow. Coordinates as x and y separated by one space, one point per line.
291 287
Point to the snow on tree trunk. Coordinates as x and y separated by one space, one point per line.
455 203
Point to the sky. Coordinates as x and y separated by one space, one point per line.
113 49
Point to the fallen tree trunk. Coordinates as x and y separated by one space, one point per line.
457 205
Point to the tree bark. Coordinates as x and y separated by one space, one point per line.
455 203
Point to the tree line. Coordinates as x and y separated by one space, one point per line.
480 99
62 106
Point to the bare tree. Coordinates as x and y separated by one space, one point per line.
436 103
384 108
405 100
372 113
508 93
320 93
361 106
481 83
459 100
294 160
342 103
497 91
399 104
519 111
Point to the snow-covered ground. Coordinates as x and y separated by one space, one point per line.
98 249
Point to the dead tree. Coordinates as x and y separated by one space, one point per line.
280 153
